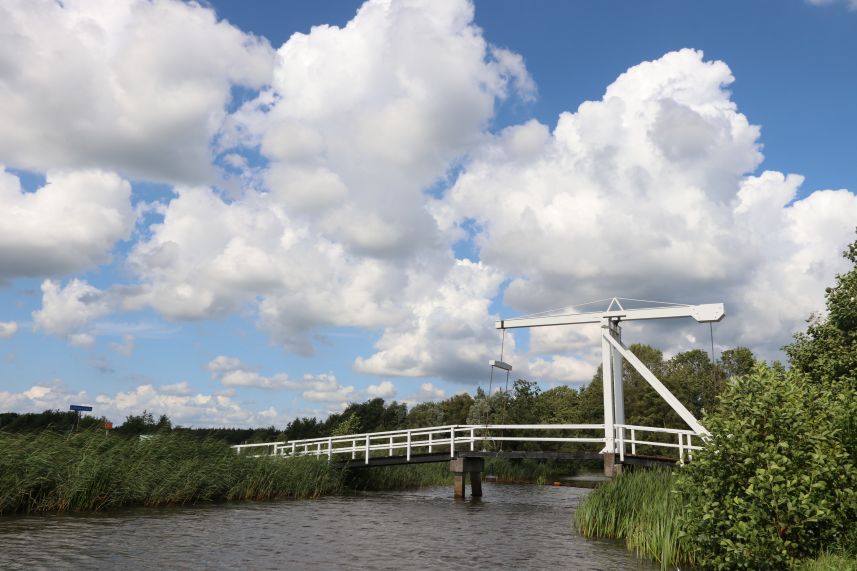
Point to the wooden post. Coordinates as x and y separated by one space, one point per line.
476 484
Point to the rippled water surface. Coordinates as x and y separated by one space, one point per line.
512 527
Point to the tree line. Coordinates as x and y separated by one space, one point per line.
690 375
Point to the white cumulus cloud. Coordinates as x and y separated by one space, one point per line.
69 225
648 193
131 85
68 311
8 329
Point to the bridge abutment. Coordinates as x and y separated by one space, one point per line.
460 467
611 468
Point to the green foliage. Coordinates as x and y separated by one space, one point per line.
736 362
559 405
640 508
690 376
91 470
144 423
827 351
427 414
775 483
348 425
455 409
56 420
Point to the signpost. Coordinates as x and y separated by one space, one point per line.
78 408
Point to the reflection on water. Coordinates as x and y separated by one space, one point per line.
514 527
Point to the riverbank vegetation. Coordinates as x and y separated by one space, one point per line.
641 508
91 470
776 485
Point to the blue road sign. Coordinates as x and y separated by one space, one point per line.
80 407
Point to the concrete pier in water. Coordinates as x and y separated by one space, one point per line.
460 467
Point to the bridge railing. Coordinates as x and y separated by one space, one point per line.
459 438
626 439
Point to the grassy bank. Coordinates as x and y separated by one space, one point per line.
90 470
640 508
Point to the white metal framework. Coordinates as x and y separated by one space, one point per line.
613 351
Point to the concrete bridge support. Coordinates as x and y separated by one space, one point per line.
462 466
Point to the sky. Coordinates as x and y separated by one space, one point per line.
236 213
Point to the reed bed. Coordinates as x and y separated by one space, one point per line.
90 471
399 477
528 471
640 508
829 562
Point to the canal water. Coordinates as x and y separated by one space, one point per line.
511 527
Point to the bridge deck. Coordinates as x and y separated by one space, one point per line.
630 460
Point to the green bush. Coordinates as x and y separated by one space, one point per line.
775 483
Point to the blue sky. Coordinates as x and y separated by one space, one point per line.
213 217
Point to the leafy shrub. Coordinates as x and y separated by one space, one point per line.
775 484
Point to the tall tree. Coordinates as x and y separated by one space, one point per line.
827 351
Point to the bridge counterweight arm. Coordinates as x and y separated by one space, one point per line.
706 313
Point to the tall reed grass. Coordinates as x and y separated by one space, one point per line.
529 471
829 562
640 508
91 470
400 477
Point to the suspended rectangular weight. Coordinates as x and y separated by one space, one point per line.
500 365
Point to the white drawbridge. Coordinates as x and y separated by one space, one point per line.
616 439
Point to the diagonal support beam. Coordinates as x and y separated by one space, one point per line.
657 385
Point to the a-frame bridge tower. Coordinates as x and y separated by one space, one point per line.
614 353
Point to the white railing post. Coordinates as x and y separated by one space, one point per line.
391 447
472 439
680 448
633 442
690 447
354 449
408 453
452 442
318 449
621 444
329 449
430 446
294 450
367 448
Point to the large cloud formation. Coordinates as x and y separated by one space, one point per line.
646 194
136 86
70 224
339 232
358 162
